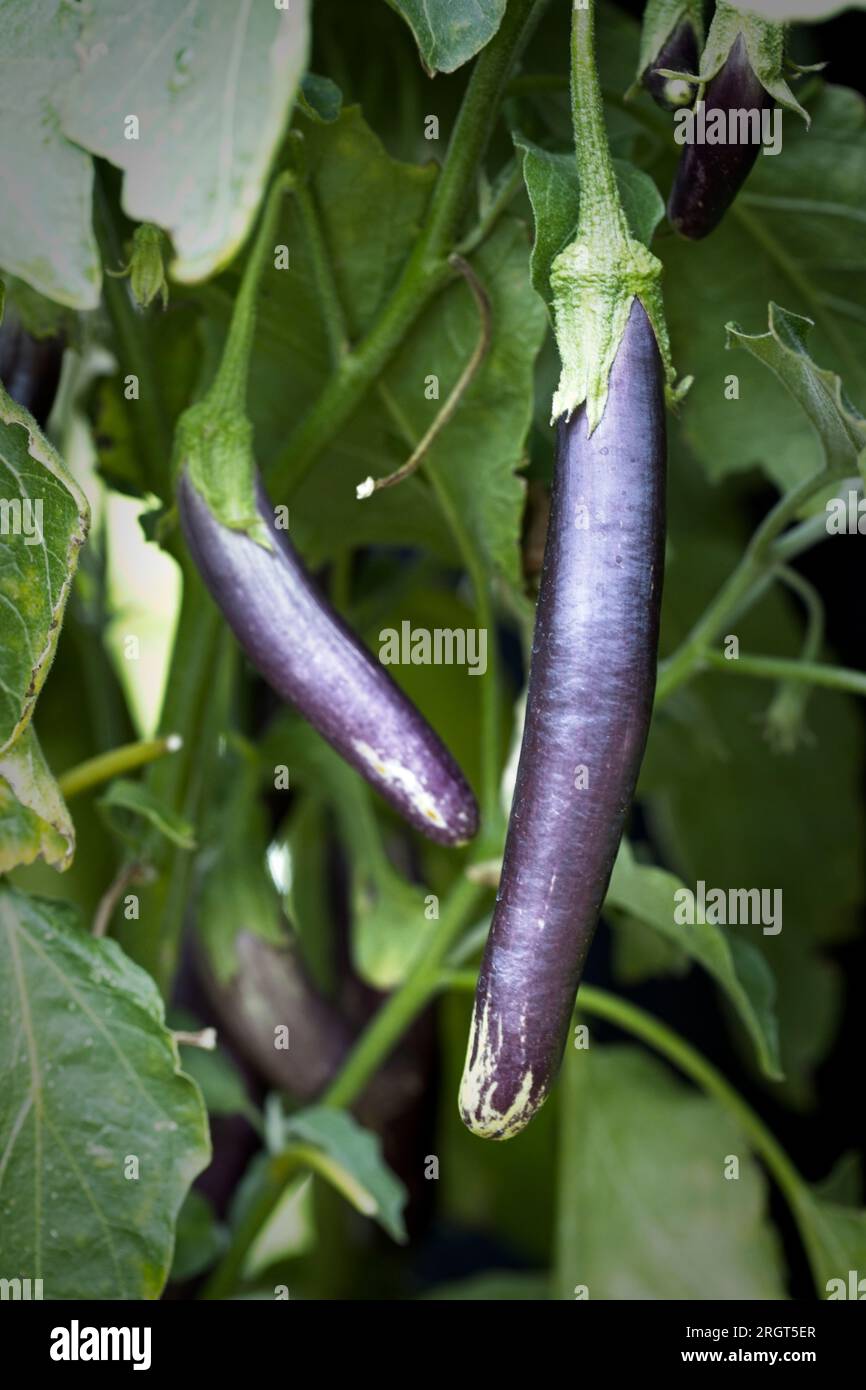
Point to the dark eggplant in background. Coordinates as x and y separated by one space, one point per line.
30 368
709 177
681 53
312 659
589 704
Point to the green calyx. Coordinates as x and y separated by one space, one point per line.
592 299
765 46
214 437
214 446
595 279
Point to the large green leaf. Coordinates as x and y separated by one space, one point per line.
794 236
645 1208
44 517
450 32
493 420
34 821
46 183
211 86
101 1134
647 893
370 208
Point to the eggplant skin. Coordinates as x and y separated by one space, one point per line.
709 177
589 703
310 658
679 53
30 368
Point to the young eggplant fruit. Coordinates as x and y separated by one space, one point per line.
589 703
672 34
709 177
743 74
310 657
288 631
30 368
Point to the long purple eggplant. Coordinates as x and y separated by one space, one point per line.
30 368
589 703
312 659
709 177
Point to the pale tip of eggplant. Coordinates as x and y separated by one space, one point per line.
365 489
392 772
479 1084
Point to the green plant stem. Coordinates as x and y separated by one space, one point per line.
427 269
388 1025
118 761
229 386
327 294
602 218
511 185
793 669
191 701
455 395
750 578
474 566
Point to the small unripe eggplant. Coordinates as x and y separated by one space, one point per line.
311 658
589 703
679 53
30 368
709 177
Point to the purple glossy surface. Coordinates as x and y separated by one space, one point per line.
589 704
311 658
709 177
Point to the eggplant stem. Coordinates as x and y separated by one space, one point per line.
464 381
601 212
229 387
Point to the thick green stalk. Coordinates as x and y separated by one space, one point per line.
229 387
427 269
601 212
